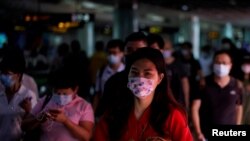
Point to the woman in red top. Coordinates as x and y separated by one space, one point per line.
150 112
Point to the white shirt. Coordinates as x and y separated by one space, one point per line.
30 83
11 113
107 73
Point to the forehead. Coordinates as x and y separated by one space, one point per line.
142 64
155 45
223 57
114 49
7 71
136 44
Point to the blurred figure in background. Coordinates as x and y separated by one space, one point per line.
206 59
178 79
62 52
192 68
115 54
118 82
245 78
17 100
77 61
98 60
236 55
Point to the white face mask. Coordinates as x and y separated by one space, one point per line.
167 53
245 68
114 59
140 87
221 70
62 99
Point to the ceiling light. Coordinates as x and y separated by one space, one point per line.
88 5
184 8
154 17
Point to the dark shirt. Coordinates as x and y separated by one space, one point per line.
218 104
176 73
192 66
115 92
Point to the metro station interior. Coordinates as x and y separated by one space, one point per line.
52 22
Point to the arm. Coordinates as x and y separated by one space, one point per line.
83 131
29 123
185 87
196 119
239 106
239 113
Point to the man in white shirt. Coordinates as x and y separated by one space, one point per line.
16 100
115 49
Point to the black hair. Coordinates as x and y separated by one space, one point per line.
114 43
155 38
99 45
187 45
63 49
161 106
13 60
75 46
63 77
223 51
136 36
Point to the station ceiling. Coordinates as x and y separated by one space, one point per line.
235 11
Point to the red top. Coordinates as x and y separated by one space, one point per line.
140 130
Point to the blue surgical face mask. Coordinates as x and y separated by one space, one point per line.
62 99
114 59
7 80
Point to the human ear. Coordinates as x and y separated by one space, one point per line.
161 76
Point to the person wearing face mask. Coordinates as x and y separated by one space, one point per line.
117 82
17 100
219 102
114 49
66 116
178 78
245 78
236 53
150 111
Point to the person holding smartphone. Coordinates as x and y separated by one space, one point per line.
16 99
66 116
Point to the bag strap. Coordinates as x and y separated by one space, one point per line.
101 71
46 101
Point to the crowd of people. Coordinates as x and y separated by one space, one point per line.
140 89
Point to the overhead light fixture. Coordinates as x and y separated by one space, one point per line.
184 7
88 5
155 18
97 7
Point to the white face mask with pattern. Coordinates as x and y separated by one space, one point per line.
140 87
221 70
